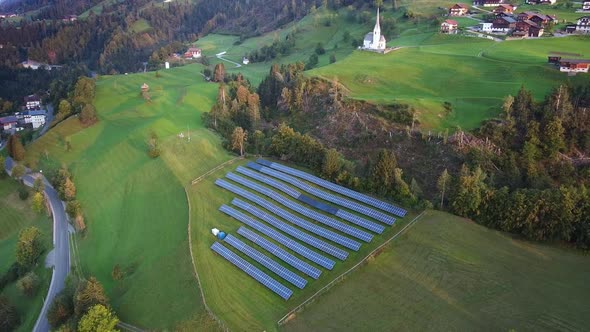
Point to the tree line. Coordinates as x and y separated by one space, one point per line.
530 177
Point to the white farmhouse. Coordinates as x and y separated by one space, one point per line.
374 40
36 118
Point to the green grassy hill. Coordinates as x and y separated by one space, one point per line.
312 30
15 215
135 207
450 274
473 74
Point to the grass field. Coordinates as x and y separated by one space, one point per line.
312 31
17 215
249 306
473 74
135 207
450 274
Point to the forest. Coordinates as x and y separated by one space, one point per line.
526 172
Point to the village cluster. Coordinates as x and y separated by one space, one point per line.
33 116
506 21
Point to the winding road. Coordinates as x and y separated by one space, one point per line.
59 257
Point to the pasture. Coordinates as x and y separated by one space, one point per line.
450 274
310 31
17 215
135 207
473 74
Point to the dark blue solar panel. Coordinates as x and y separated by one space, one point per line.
336 188
329 197
280 253
277 236
294 232
253 271
275 267
359 234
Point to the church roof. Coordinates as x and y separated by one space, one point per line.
369 36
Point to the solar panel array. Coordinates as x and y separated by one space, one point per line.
336 188
294 232
359 234
253 271
353 218
278 225
267 180
280 253
265 261
282 239
330 197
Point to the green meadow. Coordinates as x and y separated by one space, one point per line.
450 274
311 30
135 207
473 74
17 215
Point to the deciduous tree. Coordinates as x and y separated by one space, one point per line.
38 202
88 115
18 171
69 189
98 319
39 185
219 72
28 284
332 163
239 138
29 246
89 293
15 148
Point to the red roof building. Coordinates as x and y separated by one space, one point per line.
459 9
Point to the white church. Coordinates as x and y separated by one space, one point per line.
374 41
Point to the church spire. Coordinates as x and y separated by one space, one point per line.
377 30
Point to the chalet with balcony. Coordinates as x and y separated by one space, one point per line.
459 9
504 9
574 65
503 24
528 28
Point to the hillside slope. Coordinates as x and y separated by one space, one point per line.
450 274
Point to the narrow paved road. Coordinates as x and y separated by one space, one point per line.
220 57
61 251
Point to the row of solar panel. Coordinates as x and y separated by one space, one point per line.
377 228
294 232
280 253
253 271
271 232
342 240
329 197
336 188
265 261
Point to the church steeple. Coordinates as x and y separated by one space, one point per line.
377 30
